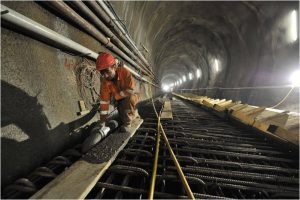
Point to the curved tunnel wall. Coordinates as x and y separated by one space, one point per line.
250 40
39 89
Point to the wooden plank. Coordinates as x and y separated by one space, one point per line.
167 111
221 106
291 136
285 125
77 181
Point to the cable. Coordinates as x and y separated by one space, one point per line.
177 165
258 87
86 78
238 88
154 170
116 16
283 99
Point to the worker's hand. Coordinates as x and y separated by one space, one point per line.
102 124
116 94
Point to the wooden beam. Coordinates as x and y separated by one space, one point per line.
167 111
77 181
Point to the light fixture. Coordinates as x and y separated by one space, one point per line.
293 32
216 65
295 79
190 76
180 81
165 87
184 78
198 73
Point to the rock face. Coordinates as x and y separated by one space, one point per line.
252 42
233 44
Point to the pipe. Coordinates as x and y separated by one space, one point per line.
111 15
99 24
97 134
72 15
29 25
137 51
177 165
109 20
155 163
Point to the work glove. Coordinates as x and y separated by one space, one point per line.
116 94
102 124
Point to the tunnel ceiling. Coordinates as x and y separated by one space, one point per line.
182 37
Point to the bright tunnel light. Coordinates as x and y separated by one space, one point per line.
198 73
217 65
293 26
166 88
184 78
180 81
190 76
295 78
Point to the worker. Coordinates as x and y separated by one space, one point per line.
117 83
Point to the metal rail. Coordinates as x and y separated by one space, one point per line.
219 160
243 164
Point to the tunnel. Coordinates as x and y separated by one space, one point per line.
218 85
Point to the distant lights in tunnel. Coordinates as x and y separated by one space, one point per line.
293 26
295 78
217 65
180 81
165 88
198 73
190 76
184 78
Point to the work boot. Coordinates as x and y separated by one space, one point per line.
125 128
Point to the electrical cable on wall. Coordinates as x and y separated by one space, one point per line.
87 78
238 88
284 98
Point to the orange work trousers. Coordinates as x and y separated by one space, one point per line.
127 108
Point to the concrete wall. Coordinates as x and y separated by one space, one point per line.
39 88
39 93
250 40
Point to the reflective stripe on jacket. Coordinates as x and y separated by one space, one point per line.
123 87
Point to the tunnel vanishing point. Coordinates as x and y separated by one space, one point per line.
219 99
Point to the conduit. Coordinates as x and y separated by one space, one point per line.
107 16
102 27
72 15
155 163
177 165
27 24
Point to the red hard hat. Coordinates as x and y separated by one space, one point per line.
104 61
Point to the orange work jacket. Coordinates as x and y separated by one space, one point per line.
124 86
